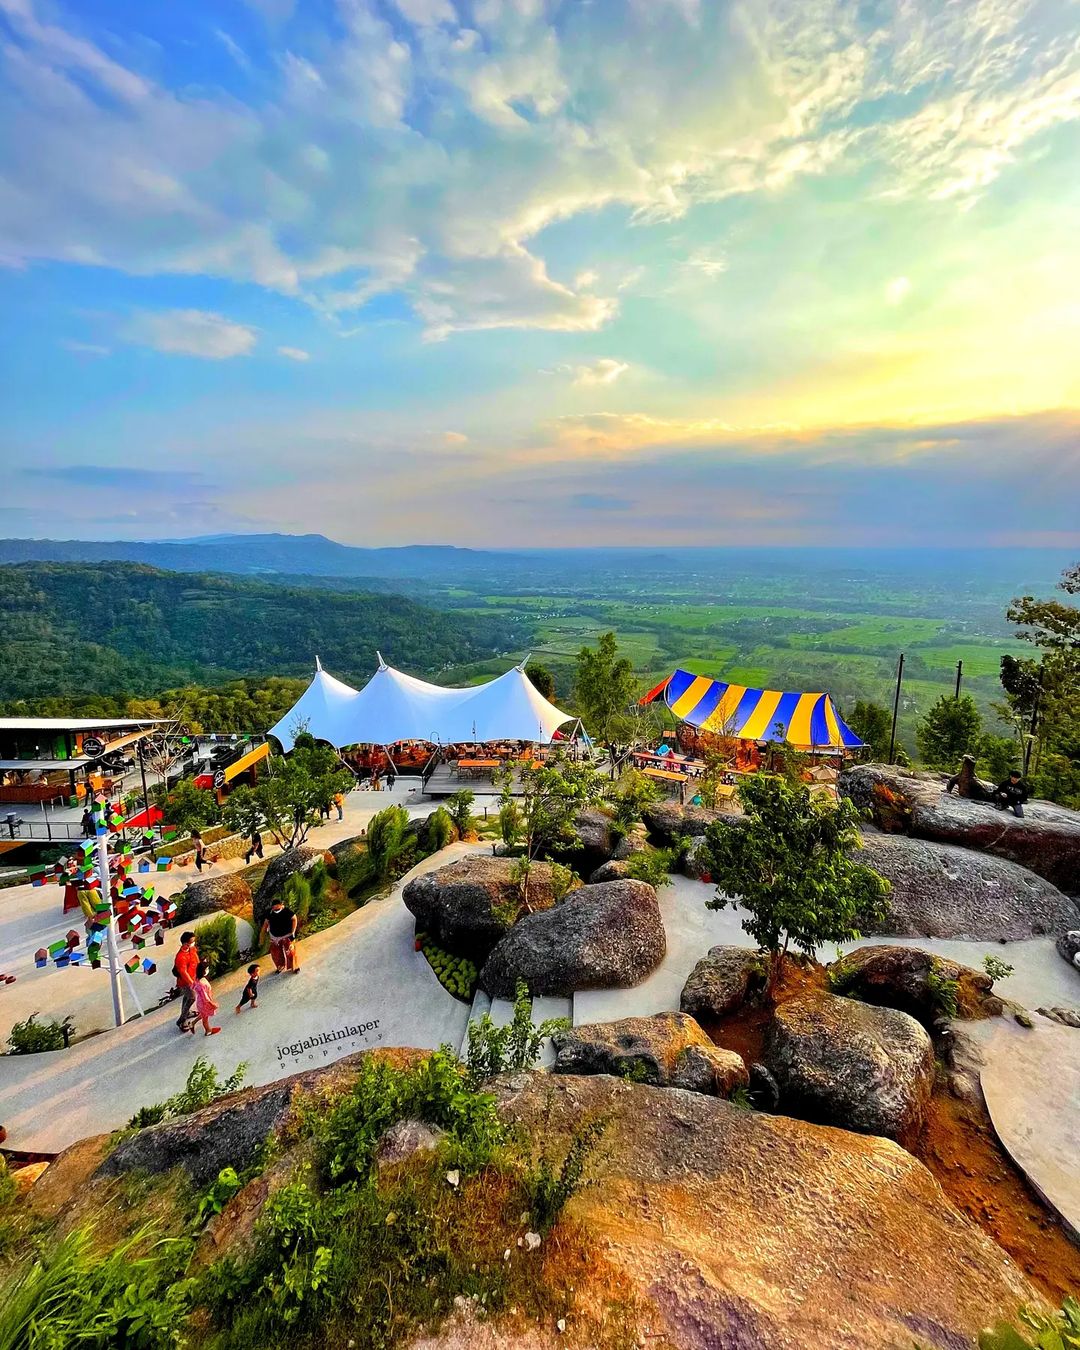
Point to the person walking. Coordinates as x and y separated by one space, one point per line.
391 778
251 989
185 972
256 849
87 823
201 860
205 1007
280 926
339 802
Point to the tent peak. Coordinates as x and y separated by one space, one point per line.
318 664
382 663
524 663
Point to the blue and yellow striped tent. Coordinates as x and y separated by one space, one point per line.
808 721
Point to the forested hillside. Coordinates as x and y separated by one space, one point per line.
109 628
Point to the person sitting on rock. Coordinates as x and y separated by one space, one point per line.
1011 794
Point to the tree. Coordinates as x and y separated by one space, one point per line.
788 864
630 795
287 801
949 731
551 795
542 679
186 806
605 689
873 724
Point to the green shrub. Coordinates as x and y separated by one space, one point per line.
996 968
1056 1331
202 1087
390 845
510 822
516 1046
439 830
457 974
549 1187
217 944
32 1037
563 881
217 1195
459 807
652 866
943 991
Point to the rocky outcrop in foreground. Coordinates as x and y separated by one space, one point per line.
227 894
1046 840
469 905
595 842
729 1227
272 887
668 1050
849 1064
944 891
600 937
722 981
668 821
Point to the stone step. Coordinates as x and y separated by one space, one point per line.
545 1007
481 1004
502 1011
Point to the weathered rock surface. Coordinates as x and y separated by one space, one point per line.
469 905
696 862
635 840
610 871
1046 840
668 821
600 937
905 978
668 1050
229 893
406 1138
851 1064
944 891
300 859
747 1231
1068 945
596 842
721 982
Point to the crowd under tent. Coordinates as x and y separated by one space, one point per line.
806 721
395 707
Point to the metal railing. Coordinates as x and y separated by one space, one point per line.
26 832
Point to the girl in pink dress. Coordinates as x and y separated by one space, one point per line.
205 1007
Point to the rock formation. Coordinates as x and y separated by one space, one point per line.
272 887
850 1064
915 982
944 891
722 981
229 893
600 937
667 1050
469 905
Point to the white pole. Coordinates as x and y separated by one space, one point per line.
101 829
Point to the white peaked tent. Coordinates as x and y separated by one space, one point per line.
393 706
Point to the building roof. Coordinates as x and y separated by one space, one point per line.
42 765
393 706
76 723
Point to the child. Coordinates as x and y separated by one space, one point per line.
251 989
205 1007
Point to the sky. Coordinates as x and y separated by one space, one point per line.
528 272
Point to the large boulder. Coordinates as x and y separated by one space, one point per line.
601 937
944 891
722 981
635 840
1068 945
594 843
845 1063
916 982
1046 839
226 894
469 905
272 887
743 1230
667 1050
668 821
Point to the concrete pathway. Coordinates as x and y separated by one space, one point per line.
32 917
361 984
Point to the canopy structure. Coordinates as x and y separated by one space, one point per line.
807 721
393 707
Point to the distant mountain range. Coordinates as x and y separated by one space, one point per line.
260 554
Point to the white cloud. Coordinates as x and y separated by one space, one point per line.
294 353
603 371
234 49
707 261
455 438
191 332
431 164
85 348
897 291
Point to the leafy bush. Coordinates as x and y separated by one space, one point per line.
510 822
996 968
457 974
943 991
214 1199
1056 1331
631 794
548 1189
202 1087
459 808
217 944
439 830
652 866
563 881
32 1037
516 1046
389 843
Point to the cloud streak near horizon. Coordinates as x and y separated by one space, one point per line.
749 270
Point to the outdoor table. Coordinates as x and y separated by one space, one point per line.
667 774
475 768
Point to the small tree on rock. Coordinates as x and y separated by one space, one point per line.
605 688
788 864
551 796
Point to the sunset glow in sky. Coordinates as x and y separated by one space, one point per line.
515 272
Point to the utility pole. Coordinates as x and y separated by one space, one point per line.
896 706
1029 741
959 676
142 772
101 829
